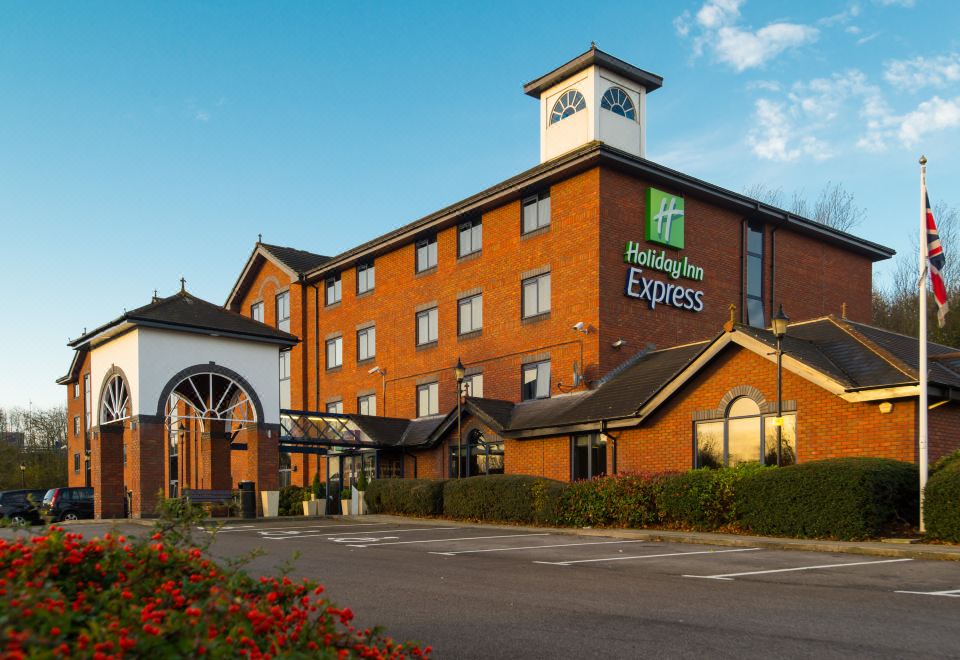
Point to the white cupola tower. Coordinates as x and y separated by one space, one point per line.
593 97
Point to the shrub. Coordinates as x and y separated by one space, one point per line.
319 489
413 497
62 595
945 461
703 499
290 501
844 498
622 501
941 505
502 497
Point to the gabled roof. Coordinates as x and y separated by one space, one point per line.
187 313
295 263
73 373
593 57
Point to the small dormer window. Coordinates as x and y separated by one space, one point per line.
569 102
617 100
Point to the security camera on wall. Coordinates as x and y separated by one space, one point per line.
578 326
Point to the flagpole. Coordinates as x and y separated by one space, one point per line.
922 362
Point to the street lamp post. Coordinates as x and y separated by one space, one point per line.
780 323
23 476
459 372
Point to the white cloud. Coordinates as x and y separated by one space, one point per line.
930 116
777 137
852 29
765 85
923 72
896 3
738 46
841 18
867 39
746 50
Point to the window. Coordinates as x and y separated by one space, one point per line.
366 343
755 315
334 352
536 212
285 380
256 311
87 402
427 326
428 399
76 390
473 385
286 469
333 290
76 462
470 314
174 442
426 254
745 435
589 456
536 295
478 456
335 407
365 277
617 101
76 426
367 404
283 311
536 380
569 103
470 238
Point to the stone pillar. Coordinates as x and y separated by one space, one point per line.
146 459
214 458
263 458
106 471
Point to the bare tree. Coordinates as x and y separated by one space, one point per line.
834 206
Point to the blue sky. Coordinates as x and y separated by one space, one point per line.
141 142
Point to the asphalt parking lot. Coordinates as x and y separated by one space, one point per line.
481 592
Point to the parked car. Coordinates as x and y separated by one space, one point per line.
67 504
21 506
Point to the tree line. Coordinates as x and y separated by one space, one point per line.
33 447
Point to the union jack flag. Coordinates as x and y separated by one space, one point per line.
937 262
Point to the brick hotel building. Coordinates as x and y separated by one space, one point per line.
608 312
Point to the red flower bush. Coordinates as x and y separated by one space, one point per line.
64 596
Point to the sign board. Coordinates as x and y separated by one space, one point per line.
665 218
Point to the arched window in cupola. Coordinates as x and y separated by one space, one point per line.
617 101
569 103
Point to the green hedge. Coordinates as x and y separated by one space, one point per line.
844 498
291 501
503 497
941 506
409 497
703 499
623 501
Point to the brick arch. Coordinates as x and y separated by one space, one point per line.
209 367
269 279
748 391
114 370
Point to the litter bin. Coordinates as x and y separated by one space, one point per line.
248 499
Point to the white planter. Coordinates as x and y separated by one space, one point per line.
354 501
361 504
310 507
270 499
345 506
321 507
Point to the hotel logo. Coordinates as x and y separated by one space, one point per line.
664 218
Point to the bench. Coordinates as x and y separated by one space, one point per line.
225 498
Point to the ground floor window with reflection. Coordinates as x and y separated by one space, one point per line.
286 469
479 456
588 456
745 435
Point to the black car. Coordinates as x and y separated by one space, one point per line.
21 506
67 504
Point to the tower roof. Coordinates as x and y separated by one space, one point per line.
593 57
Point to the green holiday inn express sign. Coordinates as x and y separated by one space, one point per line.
664 226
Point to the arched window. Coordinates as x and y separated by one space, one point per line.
115 402
479 456
569 102
745 434
211 397
617 101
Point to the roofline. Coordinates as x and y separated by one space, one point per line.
258 250
582 159
593 57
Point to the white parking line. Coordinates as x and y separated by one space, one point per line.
535 547
953 593
290 537
463 538
248 528
730 576
669 554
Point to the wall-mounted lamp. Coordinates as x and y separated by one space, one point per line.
619 343
885 408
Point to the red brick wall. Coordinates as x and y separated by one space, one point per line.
75 443
943 430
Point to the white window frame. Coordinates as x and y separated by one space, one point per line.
334 358
538 370
366 276
471 233
284 367
335 407
256 311
470 314
283 311
473 385
428 399
427 248
366 343
368 401
333 291
540 287
428 320
536 207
